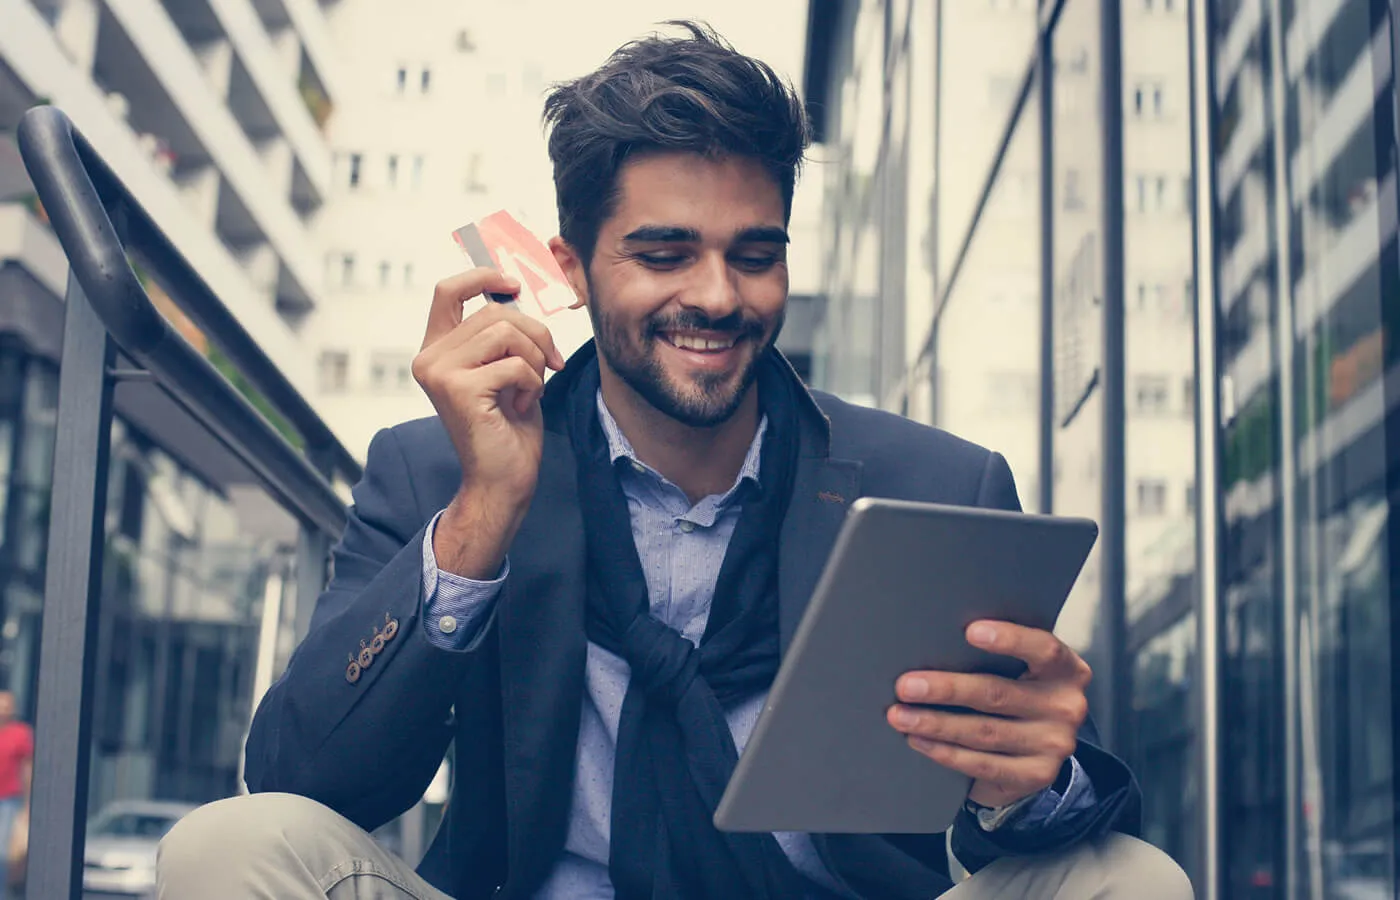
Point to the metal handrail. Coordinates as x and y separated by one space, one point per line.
101 227
78 190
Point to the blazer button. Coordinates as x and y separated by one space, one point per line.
366 657
391 628
352 672
376 644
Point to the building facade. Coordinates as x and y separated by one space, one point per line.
211 113
439 124
1147 249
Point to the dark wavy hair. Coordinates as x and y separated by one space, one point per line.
694 93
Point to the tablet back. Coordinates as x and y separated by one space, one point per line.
903 582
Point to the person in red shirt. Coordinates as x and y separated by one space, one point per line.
16 766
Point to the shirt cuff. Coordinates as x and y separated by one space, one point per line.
455 609
1040 810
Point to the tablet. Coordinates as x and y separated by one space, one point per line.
902 584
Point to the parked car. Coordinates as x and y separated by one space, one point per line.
120 857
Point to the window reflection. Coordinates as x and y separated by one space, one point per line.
1341 182
184 587
988 333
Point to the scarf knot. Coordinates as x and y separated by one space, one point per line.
664 662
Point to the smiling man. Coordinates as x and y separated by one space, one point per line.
577 587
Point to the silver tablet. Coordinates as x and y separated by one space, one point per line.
903 582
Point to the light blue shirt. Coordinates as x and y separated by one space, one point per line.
681 547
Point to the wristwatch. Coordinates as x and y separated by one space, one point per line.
990 818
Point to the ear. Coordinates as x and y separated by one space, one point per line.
572 266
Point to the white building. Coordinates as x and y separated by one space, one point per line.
210 112
438 124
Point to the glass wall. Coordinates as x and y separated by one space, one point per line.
1288 133
197 605
1159 425
1077 297
987 336
1338 140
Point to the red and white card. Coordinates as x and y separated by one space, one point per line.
501 242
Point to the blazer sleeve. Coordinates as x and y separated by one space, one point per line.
365 746
1119 800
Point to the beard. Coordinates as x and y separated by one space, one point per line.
699 400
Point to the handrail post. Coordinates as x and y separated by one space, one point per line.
72 593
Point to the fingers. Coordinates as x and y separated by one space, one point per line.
986 733
445 314
490 334
994 695
1046 656
498 341
510 375
1013 776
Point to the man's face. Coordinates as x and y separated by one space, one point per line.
689 281
7 706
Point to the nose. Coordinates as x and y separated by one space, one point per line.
713 289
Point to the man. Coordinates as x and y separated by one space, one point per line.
580 586
16 767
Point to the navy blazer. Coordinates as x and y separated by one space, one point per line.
368 746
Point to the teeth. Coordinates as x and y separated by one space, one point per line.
690 342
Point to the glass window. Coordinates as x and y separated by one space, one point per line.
353 175
1341 188
1150 394
1253 668
1077 302
1159 442
334 370
393 170
983 356
981 44
426 80
401 79
390 370
1151 496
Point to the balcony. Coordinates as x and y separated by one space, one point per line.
183 202
141 54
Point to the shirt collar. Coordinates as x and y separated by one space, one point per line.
620 449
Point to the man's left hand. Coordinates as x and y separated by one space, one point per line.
1020 732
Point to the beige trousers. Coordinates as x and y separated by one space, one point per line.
285 847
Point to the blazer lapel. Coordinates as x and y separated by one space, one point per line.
822 491
543 649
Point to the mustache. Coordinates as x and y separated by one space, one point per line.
736 324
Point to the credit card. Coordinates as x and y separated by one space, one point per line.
500 242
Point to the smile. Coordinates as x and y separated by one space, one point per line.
698 343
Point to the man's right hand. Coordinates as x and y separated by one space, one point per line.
485 376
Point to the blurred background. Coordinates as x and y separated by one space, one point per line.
1147 249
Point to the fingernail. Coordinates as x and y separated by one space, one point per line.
923 744
916 688
511 283
985 635
904 718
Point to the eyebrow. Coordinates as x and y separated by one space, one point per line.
676 234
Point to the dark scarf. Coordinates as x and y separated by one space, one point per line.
675 753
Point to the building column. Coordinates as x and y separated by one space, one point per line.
76 31
216 59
